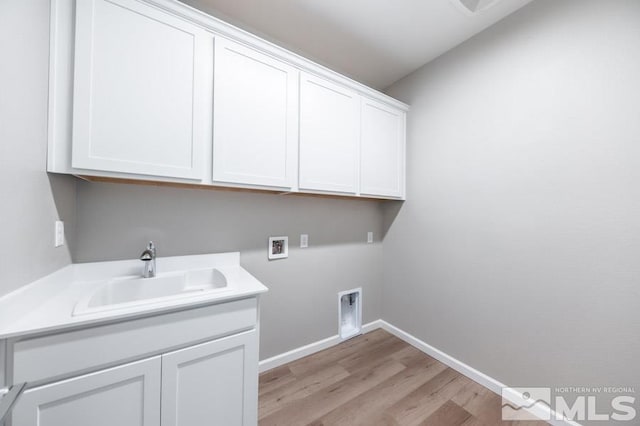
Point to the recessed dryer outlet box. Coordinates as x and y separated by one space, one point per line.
350 313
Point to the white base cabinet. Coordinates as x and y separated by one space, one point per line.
127 395
188 372
208 383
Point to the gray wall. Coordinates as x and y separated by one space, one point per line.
30 200
115 222
518 249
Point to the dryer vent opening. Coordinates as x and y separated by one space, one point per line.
350 313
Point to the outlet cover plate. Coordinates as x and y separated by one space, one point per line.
59 233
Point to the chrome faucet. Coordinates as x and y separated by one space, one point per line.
148 256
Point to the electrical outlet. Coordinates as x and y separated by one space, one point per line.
369 237
304 240
59 232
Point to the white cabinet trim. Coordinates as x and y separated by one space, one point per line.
234 33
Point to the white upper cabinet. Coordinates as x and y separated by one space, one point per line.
382 150
139 90
255 118
154 90
329 136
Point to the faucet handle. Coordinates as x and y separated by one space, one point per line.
149 253
148 256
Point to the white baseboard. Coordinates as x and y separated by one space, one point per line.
462 368
373 325
310 349
541 410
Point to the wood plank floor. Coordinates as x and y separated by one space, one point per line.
375 379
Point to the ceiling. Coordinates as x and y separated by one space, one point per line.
376 42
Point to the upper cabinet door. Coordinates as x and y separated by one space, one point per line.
255 121
382 150
329 136
128 395
140 97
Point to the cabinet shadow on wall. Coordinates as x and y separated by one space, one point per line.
63 192
114 221
390 211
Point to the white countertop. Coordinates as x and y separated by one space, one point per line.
47 304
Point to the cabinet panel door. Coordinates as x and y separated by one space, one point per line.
139 90
127 395
255 136
382 146
329 136
215 383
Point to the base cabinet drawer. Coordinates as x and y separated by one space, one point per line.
128 395
90 349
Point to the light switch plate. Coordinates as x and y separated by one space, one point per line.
304 240
369 237
59 230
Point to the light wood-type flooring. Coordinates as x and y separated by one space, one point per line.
375 379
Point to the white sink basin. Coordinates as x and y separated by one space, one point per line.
130 292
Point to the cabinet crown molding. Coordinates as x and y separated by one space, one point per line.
227 30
